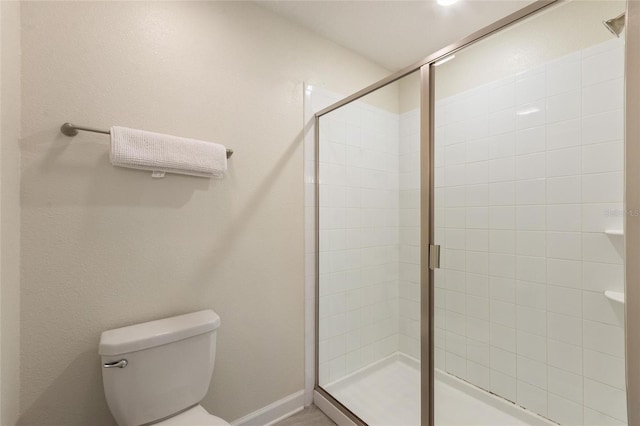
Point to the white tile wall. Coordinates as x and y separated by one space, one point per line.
409 284
523 197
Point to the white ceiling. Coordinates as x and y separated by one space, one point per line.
393 33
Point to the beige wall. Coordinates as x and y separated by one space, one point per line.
409 92
548 35
105 247
9 211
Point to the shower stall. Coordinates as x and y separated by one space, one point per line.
468 222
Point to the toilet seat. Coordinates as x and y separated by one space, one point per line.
196 416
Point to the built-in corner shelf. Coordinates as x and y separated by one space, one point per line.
616 296
618 232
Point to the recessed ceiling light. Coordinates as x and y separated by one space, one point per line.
446 2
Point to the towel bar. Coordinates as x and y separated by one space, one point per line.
72 130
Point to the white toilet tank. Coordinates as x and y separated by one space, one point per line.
156 369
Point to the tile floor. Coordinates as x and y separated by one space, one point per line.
310 416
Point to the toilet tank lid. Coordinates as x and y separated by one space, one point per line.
155 333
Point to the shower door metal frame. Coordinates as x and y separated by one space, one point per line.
632 204
632 210
427 307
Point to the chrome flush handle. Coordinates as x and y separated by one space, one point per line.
116 364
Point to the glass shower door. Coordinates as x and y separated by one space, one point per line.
369 255
528 211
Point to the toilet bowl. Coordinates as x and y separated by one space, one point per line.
158 372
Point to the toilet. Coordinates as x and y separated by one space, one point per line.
157 372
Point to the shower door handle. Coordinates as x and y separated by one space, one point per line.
434 256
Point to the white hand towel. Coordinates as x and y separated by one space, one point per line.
139 149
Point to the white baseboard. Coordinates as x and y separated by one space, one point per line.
274 412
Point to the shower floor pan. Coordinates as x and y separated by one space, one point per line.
387 393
